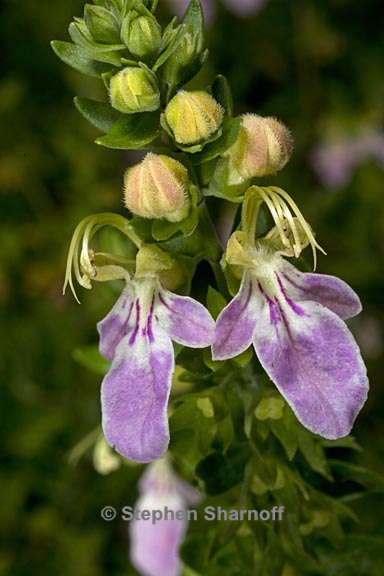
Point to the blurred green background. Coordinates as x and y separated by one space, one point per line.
316 65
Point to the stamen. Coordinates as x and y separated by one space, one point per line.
82 259
287 215
73 258
304 224
275 216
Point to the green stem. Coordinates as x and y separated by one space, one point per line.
213 249
226 221
208 230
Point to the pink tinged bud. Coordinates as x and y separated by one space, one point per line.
157 188
263 147
193 117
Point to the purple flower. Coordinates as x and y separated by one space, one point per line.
335 162
295 322
242 8
137 336
209 8
155 545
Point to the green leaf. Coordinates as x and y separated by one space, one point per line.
270 408
195 551
220 187
200 423
79 59
313 452
99 52
215 302
285 431
361 555
90 358
368 478
347 442
175 37
99 114
213 365
222 472
244 358
222 93
133 132
163 230
218 147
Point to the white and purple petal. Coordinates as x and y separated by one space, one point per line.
236 324
154 547
187 321
116 324
311 356
135 395
329 291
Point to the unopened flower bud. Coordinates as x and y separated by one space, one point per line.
264 147
102 24
186 60
142 35
158 188
134 90
193 117
105 460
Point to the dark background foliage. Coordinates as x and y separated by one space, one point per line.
318 66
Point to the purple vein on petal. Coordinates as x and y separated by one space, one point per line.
276 313
115 326
296 309
137 325
163 301
274 309
148 330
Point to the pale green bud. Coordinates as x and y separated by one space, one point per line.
142 35
264 147
193 117
158 187
185 61
134 90
102 24
105 460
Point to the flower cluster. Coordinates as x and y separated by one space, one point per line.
200 165
294 320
